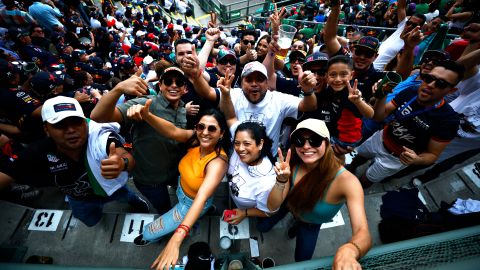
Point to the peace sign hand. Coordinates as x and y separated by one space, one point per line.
225 83
354 95
276 19
282 167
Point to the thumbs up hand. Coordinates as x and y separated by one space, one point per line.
113 165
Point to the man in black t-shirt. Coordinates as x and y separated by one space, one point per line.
68 160
420 125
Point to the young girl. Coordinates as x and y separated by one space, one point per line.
341 106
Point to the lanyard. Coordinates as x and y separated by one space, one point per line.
396 115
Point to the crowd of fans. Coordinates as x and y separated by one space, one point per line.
93 89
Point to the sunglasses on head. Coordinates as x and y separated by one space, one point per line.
201 127
313 141
299 59
230 61
410 23
439 83
169 81
365 52
245 42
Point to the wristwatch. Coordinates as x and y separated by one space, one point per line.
125 164
306 94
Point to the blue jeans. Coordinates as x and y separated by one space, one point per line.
169 221
91 211
157 195
307 233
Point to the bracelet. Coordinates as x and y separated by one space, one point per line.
182 232
246 212
185 228
281 182
357 247
306 94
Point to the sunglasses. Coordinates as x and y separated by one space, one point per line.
230 61
169 81
299 59
313 141
245 42
439 83
201 127
319 72
365 52
434 61
410 23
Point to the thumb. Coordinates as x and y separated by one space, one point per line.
194 51
112 150
139 71
407 149
147 105
188 103
300 74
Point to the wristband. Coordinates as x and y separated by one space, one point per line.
281 182
306 94
125 163
357 247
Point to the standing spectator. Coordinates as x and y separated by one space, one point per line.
47 15
12 17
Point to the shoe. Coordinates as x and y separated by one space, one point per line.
31 195
139 205
235 265
292 231
417 182
20 188
140 242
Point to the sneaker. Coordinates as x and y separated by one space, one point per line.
416 182
292 231
30 195
140 242
139 205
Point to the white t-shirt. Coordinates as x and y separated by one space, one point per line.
251 185
467 104
390 47
271 111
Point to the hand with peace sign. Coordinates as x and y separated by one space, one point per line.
282 167
112 166
225 83
276 19
354 95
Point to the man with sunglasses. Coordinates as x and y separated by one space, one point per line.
394 43
226 60
84 160
420 124
157 157
244 49
287 85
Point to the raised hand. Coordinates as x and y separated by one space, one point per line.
212 34
251 53
354 95
225 83
191 64
134 86
139 112
282 167
276 19
414 37
81 97
307 80
113 165
273 46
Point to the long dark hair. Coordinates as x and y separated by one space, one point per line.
258 133
311 187
225 142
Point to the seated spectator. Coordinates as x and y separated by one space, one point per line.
71 142
312 159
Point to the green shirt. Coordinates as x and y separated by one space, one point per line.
156 157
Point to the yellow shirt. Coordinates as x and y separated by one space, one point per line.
192 170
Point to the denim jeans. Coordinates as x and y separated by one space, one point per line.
169 221
91 211
157 195
307 233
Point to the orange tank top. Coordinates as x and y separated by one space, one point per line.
192 170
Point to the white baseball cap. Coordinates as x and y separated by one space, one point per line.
252 67
58 108
315 125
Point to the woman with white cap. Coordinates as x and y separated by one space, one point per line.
312 184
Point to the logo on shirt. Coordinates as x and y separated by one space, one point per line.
52 158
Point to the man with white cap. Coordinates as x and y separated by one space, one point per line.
253 102
86 161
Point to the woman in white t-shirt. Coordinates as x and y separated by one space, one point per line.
250 174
